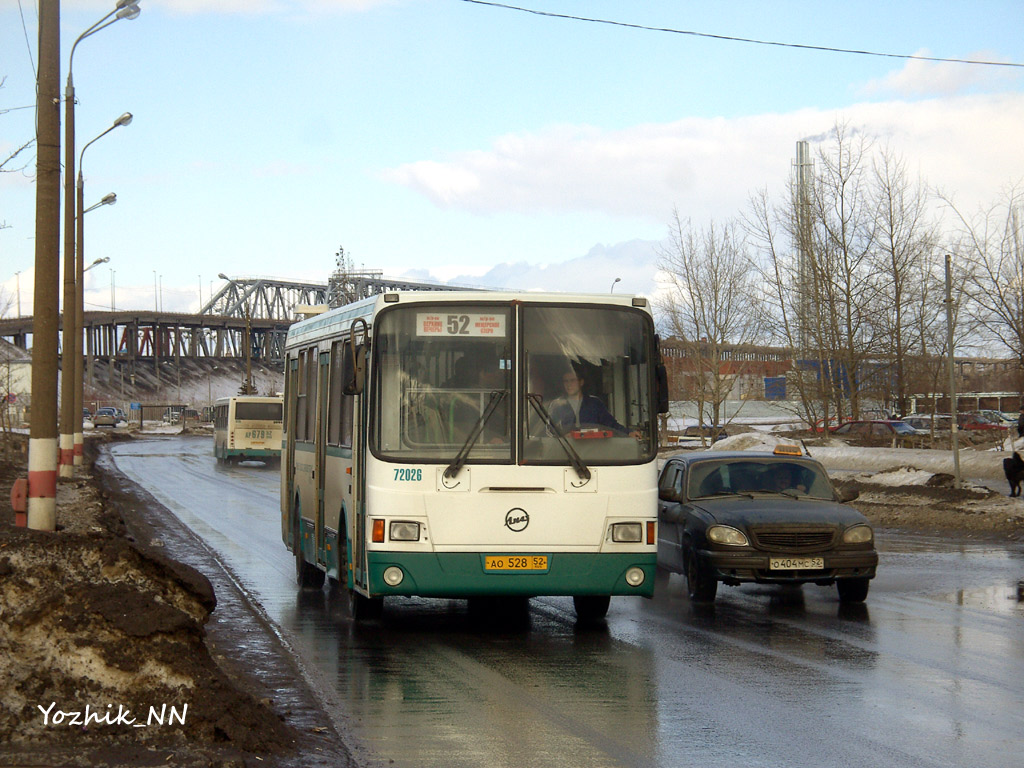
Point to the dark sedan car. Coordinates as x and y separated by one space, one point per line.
774 518
876 431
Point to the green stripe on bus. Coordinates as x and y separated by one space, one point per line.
462 574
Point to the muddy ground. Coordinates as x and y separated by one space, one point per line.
104 614
103 634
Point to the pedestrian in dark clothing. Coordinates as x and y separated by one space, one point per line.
1020 423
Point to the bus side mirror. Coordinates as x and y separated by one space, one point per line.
353 359
353 368
661 387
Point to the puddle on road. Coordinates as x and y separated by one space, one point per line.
999 599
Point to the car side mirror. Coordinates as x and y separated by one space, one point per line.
848 494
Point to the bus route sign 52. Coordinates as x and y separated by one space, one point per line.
480 324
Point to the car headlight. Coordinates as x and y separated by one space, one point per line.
858 534
631 532
724 534
404 531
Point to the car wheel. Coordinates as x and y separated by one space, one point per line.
853 590
591 607
701 586
307 575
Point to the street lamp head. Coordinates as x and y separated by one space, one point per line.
129 12
125 119
222 276
108 199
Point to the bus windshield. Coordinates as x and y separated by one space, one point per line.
587 380
438 369
536 384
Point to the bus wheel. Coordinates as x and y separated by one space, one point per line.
591 607
307 575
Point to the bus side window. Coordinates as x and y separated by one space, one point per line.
312 358
289 391
339 406
302 399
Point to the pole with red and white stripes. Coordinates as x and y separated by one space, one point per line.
42 444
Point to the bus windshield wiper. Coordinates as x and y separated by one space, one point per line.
574 458
460 459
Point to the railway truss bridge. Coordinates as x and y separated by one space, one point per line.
253 313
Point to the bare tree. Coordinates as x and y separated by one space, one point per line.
709 306
993 256
906 274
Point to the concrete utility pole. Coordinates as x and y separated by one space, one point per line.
42 444
952 372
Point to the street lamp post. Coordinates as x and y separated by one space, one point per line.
123 9
77 347
616 280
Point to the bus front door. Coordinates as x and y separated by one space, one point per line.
320 458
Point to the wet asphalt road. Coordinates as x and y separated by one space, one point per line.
929 672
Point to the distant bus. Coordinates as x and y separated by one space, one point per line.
427 450
247 427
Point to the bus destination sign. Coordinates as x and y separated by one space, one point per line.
460 324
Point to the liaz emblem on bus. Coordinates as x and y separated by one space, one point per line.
460 324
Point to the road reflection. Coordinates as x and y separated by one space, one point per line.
926 673
434 683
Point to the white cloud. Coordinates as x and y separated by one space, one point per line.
932 78
709 167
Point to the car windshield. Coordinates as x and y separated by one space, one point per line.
758 475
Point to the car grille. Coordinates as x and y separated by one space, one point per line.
793 539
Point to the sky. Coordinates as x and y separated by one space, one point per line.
459 141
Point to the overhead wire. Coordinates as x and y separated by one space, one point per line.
734 39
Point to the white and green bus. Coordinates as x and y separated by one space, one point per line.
247 427
431 447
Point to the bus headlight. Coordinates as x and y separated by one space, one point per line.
627 532
393 576
400 530
635 577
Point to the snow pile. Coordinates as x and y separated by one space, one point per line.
896 477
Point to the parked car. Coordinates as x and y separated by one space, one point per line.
976 421
87 414
922 422
876 431
105 417
833 422
998 417
738 517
